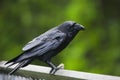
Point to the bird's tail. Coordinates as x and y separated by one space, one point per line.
21 64
15 60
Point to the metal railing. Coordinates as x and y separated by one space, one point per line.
34 72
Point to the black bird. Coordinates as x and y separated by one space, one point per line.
47 45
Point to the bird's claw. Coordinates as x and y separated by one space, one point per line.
53 70
60 66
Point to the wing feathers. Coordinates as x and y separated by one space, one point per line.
48 44
40 39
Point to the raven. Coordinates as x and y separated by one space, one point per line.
47 45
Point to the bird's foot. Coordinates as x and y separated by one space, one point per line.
53 70
60 66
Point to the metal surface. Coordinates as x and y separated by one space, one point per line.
33 72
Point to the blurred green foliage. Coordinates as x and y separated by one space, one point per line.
95 50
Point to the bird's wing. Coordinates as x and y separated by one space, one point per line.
48 38
39 40
36 41
50 43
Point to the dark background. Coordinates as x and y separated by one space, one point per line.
96 50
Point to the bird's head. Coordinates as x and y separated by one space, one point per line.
71 27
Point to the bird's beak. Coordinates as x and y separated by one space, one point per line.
79 27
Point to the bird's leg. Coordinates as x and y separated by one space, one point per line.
54 68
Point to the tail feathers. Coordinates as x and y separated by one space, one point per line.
10 61
10 64
21 64
16 59
15 69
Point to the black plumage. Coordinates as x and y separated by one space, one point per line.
47 45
